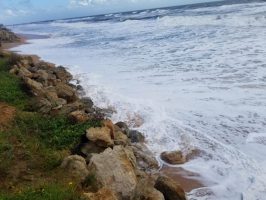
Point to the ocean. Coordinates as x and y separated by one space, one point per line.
188 77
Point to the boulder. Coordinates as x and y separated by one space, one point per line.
115 169
136 136
145 190
62 74
42 105
123 126
109 124
76 166
78 116
102 194
41 65
68 108
170 189
51 94
25 62
34 86
65 91
120 138
145 159
23 72
87 150
173 157
88 103
42 76
101 136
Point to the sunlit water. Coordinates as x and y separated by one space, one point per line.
195 75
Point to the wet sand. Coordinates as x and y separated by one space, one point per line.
188 180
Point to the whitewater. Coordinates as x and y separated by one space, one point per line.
190 77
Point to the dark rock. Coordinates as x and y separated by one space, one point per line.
63 74
42 105
124 128
136 136
35 87
170 189
42 76
87 150
66 92
23 73
145 159
48 67
88 103
68 108
79 87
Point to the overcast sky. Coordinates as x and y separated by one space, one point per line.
19 11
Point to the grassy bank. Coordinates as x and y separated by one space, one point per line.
32 146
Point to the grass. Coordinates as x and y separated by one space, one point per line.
11 87
48 192
54 132
6 154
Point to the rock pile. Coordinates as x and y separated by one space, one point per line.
111 161
53 93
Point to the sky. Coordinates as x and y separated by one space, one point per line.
21 11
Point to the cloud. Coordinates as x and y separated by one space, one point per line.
10 13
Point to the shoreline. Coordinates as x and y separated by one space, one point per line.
188 180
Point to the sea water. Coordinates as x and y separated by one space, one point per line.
191 77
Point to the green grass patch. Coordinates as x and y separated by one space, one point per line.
54 132
49 192
11 87
6 154
43 141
